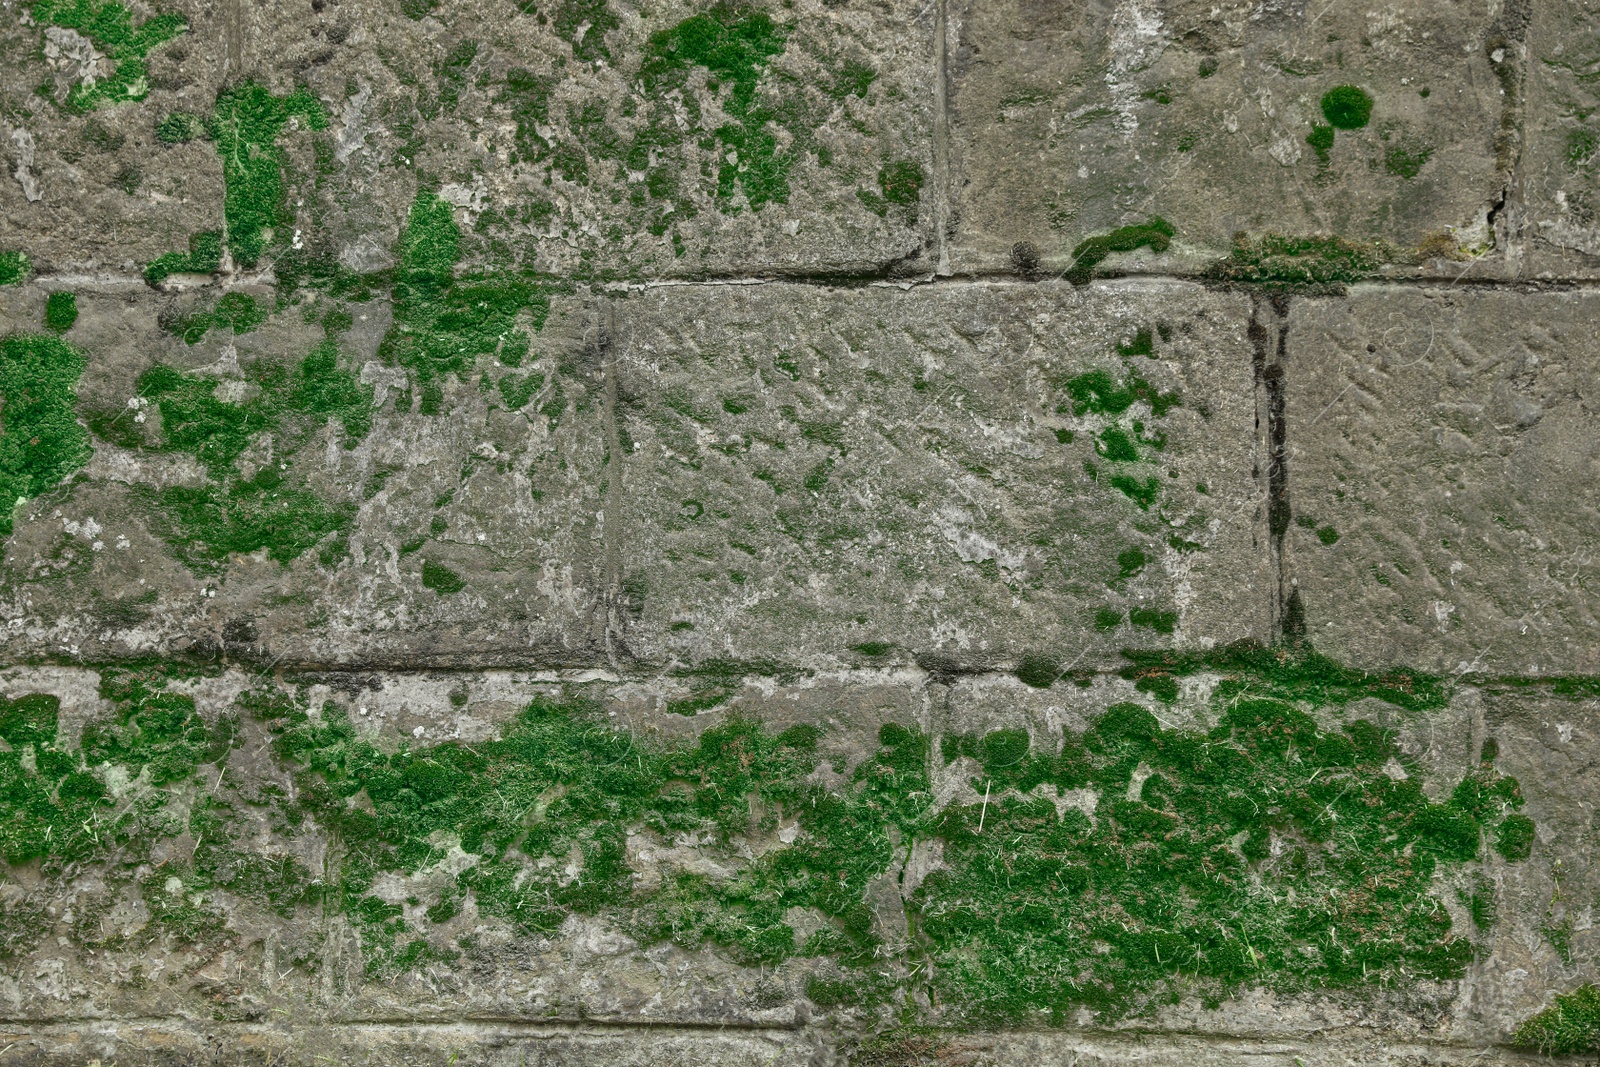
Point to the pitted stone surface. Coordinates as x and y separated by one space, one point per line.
1444 436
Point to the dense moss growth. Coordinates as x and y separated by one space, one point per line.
14 268
204 257
60 311
1570 1026
40 439
1291 673
443 324
265 504
734 44
1265 851
1275 261
561 783
1155 235
108 24
246 125
1110 869
1347 107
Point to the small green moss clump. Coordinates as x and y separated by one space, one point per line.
1321 141
1097 392
109 25
204 257
14 268
1305 263
901 185
1514 839
42 441
236 312
441 579
1404 162
1347 107
61 311
1155 235
179 127
1570 1026
1039 670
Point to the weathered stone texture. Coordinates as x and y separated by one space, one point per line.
815 532
1446 436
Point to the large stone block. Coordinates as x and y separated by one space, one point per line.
972 473
580 138
1555 201
1070 119
311 516
1443 437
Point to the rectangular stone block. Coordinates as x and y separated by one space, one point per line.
587 139
966 473
1072 119
1554 202
1442 475
308 513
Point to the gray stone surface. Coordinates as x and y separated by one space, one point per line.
808 438
1071 119
818 470
1445 435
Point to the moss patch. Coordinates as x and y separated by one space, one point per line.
1570 1026
1275 261
109 26
14 268
60 311
270 506
1155 235
41 442
1347 107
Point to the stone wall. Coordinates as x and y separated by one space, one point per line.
822 532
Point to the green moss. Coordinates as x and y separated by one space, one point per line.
1570 1026
1280 262
734 44
179 127
204 257
1582 147
1039 670
441 579
1155 235
584 24
1097 392
60 311
272 508
109 25
1406 162
1162 622
246 125
1346 107
1514 839
1142 493
236 312
900 184
1294 673
443 324
41 442
1321 141
14 268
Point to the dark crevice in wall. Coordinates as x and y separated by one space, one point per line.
1269 341
613 615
